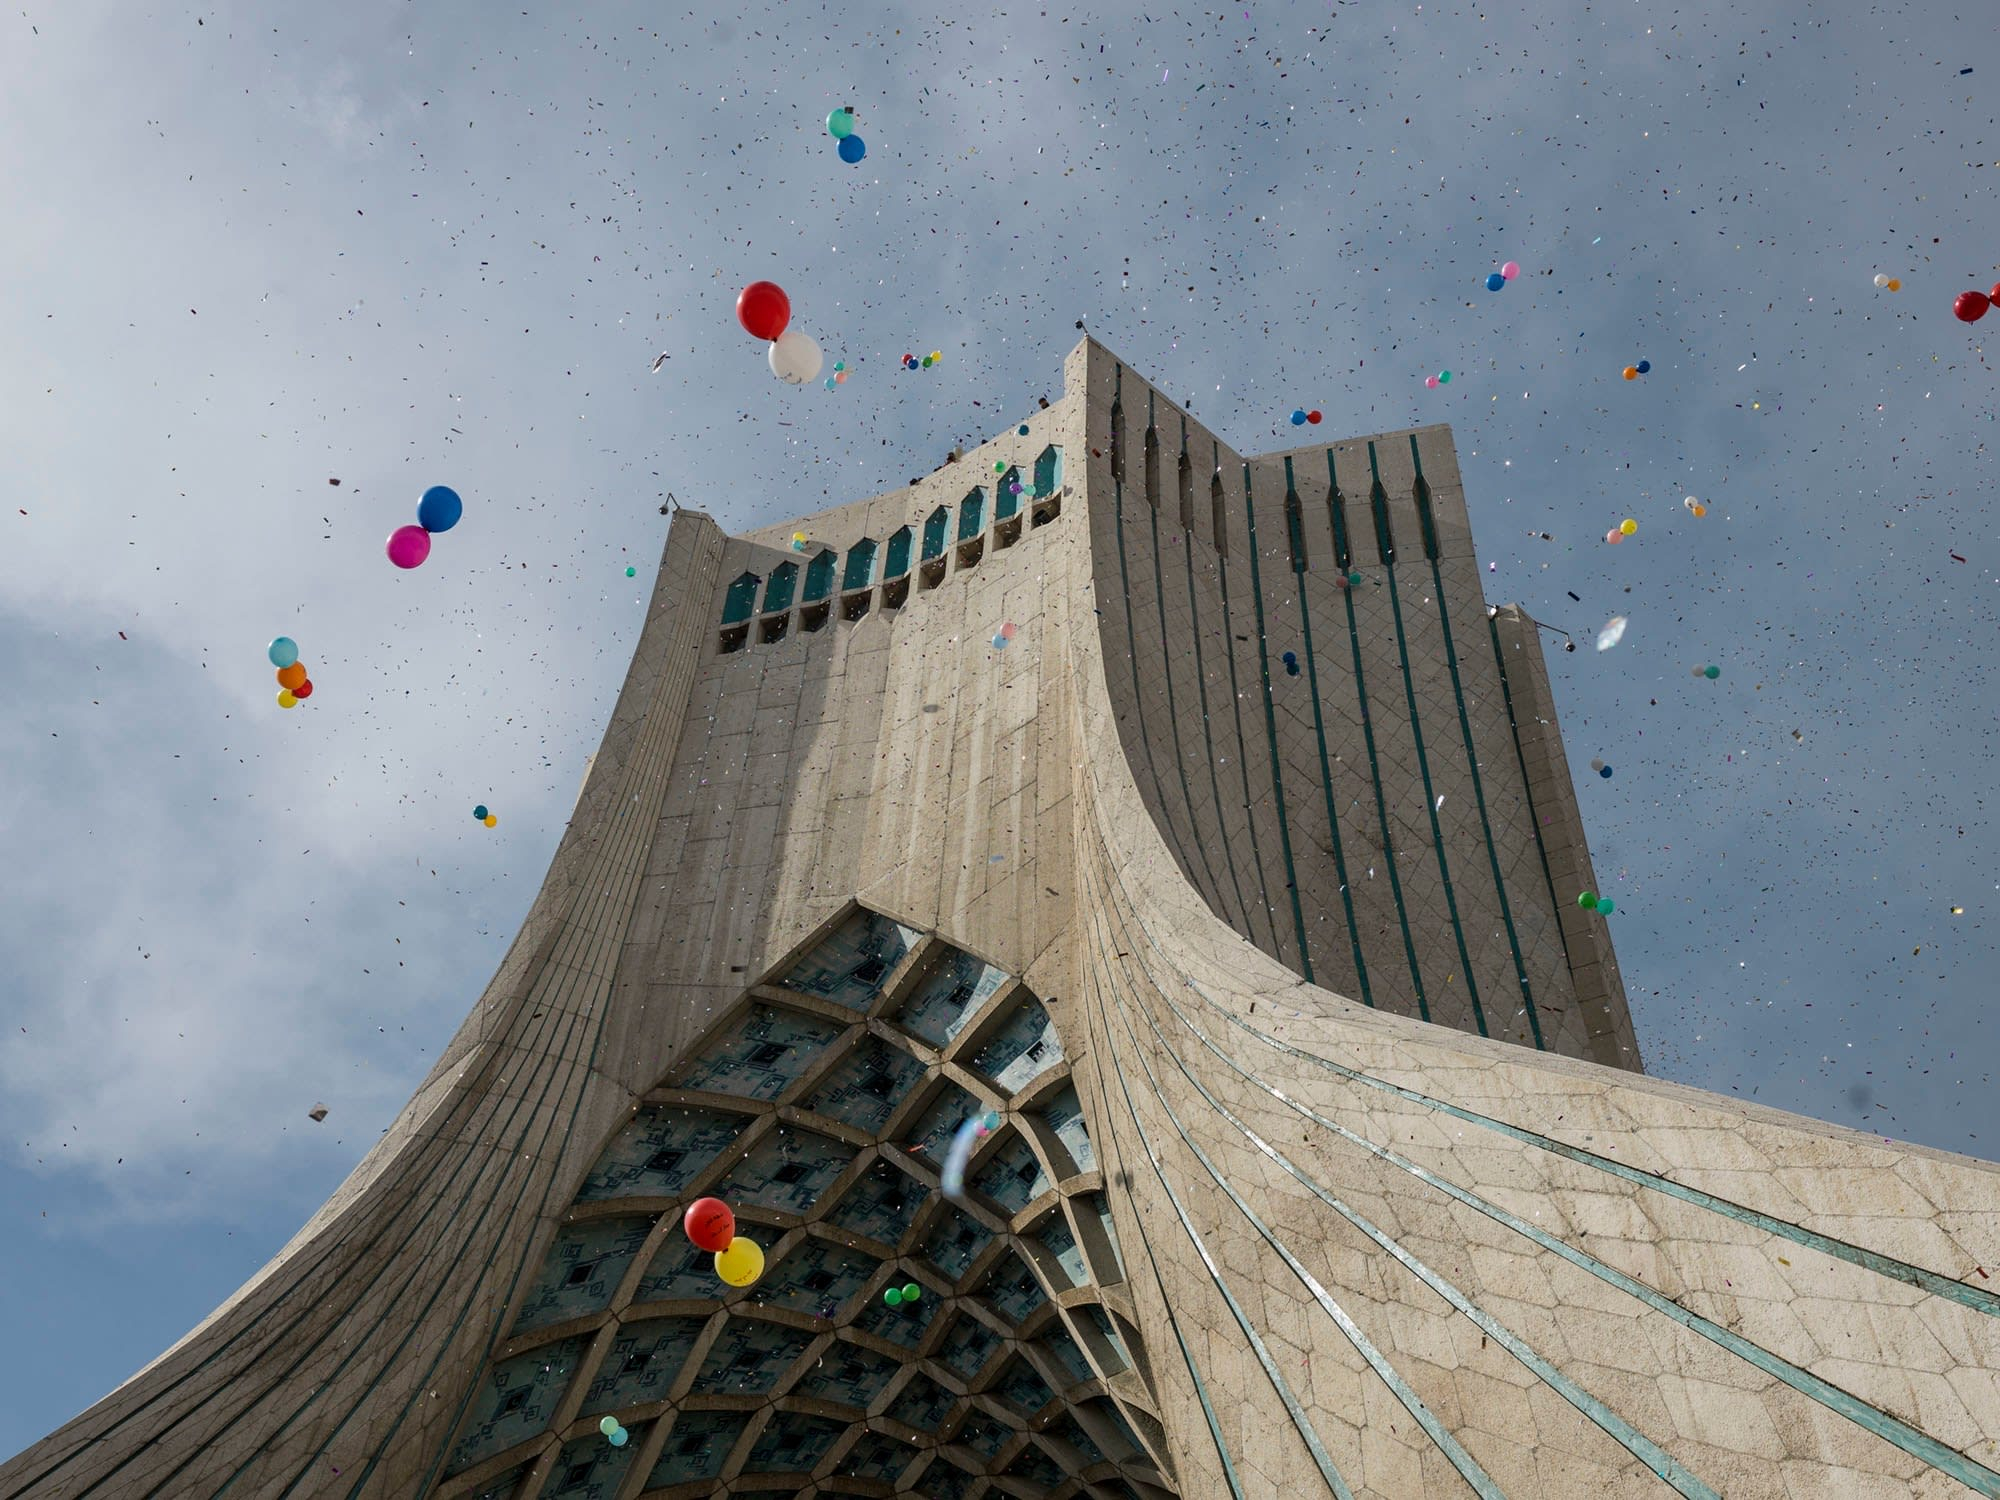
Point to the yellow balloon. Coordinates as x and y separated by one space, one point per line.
1628 526
286 700
741 1264
491 820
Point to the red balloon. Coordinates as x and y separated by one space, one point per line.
1994 295
1970 307
709 1224
1313 417
763 309
303 690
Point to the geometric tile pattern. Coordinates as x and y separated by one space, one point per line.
937 1397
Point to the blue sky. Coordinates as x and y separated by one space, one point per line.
248 254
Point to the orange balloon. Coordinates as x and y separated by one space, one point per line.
1631 372
292 676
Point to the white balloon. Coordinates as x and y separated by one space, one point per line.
795 357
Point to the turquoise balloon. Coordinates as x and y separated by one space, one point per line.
284 651
840 124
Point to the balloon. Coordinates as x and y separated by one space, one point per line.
1612 633
795 357
1631 372
607 1425
1313 417
292 676
1628 526
1970 307
409 546
740 1264
1605 772
852 149
620 1438
631 572
1597 765
763 309
303 691
1881 279
1992 296
1494 281
479 812
1711 673
1022 430
489 820
1511 269
912 1292
1444 377
1007 631
893 1296
1587 901
1895 285
1614 536
1430 382
709 1224
1299 417
283 651
1644 367
840 124
439 509
840 377
286 700
1606 907
1354 580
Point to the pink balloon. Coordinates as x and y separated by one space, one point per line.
409 546
1511 269
1614 536
1430 382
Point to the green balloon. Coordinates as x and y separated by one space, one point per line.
840 124
1711 673
1587 901
893 1297
1354 580
1606 907
1444 377
912 1292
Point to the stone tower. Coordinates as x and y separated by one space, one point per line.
1196 817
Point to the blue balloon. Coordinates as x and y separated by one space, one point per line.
479 812
1605 773
1645 366
284 651
1494 281
440 508
852 149
1299 418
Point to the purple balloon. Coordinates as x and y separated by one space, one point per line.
409 546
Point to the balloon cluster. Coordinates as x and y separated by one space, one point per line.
839 375
766 313
911 362
1291 663
1970 307
1497 279
613 1430
1695 507
1301 416
1622 530
711 1226
1603 905
438 510
840 125
798 541
1633 372
906 1295
293 684
1887 283
1005 635
1601 769
1432 382
484 816
1711 672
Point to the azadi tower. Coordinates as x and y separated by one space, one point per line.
1197 817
